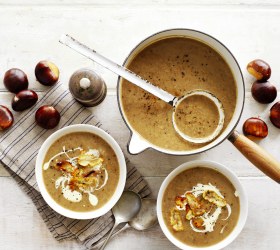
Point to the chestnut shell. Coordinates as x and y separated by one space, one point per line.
6 118
275 114
259 69
15 80
47 73
264 92
47 117
255 127
24 100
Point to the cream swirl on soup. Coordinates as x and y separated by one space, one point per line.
81 173
202 218
200 206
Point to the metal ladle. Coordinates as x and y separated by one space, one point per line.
146 85
127 207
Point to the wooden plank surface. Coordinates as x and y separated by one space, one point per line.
30 31
33 32
142 2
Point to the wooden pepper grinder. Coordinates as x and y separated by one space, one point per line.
87 87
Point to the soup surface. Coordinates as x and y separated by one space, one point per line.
178 65
197 116
81 171
200 207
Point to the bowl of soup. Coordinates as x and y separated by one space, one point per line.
201 204
81 171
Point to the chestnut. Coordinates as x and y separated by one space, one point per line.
264 92
259 69
15 80
255 128
47 117
47 73
24 100
6 118
275 114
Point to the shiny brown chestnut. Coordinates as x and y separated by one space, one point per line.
6 118
255 128
47 117
15 80
47 73
275 114
264 92
259 69
24 100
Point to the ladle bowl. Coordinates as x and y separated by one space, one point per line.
220 123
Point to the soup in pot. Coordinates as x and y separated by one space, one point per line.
177 65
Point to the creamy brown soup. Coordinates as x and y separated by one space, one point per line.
81 171
178 65
200 207
197 116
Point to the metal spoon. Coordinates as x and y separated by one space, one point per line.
146 85
145 219
147 216
127 207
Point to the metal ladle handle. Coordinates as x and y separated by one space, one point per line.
116 68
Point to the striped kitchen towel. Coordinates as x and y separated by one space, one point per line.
19 146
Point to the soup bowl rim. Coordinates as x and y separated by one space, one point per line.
39 171
231 176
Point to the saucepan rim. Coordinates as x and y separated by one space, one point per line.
133 132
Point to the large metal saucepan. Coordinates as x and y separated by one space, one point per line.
249 149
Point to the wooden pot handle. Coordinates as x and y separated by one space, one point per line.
257 155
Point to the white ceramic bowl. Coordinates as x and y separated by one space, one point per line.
236 183
39 171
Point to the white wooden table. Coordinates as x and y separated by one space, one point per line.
29 32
